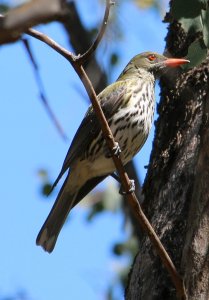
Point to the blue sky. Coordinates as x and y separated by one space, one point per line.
82 262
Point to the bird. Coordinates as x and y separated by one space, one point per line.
128 105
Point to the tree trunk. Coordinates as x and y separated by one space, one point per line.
176 187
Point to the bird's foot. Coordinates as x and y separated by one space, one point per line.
131 188
116 151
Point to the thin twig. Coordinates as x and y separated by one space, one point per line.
133 202
82 58
42 92
50 42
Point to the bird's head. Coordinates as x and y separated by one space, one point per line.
152 62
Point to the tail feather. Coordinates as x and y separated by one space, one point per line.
65 201
50 230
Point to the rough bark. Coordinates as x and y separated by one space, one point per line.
176 188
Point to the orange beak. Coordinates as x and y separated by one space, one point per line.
174 62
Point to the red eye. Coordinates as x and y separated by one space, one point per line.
151 57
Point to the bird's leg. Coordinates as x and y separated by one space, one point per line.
131 188
116 177
116 150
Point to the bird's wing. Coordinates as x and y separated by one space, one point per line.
110 100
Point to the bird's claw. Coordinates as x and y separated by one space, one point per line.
116 151
131 188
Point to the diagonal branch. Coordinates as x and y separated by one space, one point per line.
76 62
132 200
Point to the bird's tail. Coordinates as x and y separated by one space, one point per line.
65 201
50 230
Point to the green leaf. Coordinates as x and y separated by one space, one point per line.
118 249
197 52
187 8
114 59
3 8
112 199
193 15
43 174
205 22
192 25
145 3
46 189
